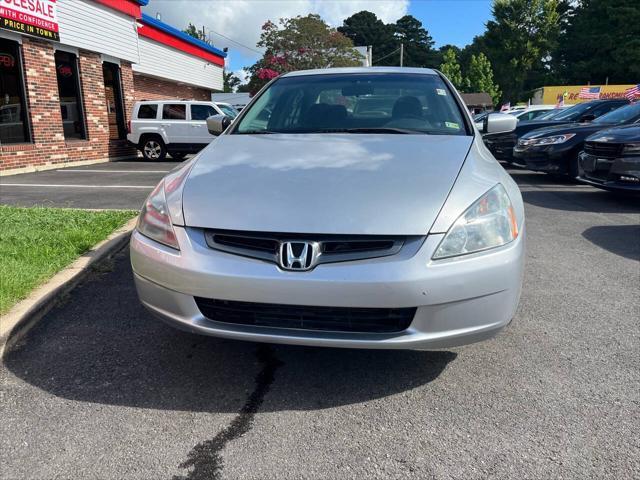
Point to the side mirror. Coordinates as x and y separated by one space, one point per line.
588 117
499 123
216 124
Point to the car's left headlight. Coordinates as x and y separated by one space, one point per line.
155 222
555 139
490 222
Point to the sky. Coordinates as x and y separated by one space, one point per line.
236 23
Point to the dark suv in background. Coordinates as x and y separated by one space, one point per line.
502 144
611 160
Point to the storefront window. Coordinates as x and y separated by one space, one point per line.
70 98
14 126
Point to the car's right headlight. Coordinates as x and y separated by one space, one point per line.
490 222
155 222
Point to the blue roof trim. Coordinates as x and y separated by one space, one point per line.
144 3
181 35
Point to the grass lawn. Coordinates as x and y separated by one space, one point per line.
36 243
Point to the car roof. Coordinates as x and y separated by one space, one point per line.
174 101
607 100
350 70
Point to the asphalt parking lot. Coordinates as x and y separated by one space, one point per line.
99 389
117 185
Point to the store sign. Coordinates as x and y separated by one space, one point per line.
38 18
571 93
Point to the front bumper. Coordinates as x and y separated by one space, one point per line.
459 301
501 145
548 158
610 173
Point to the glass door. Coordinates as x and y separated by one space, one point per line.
114 99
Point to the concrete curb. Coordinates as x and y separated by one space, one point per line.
62 166
15 324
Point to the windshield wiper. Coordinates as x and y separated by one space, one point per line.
255 132
368 130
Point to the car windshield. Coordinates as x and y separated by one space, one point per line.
625 114
575 112
386 103
228 110
551 114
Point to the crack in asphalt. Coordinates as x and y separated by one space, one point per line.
205 458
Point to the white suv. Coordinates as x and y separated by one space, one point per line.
176 127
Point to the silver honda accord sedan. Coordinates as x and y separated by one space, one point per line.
343 208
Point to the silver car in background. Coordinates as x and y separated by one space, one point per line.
343 207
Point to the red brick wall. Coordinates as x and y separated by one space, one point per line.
49 145
147 88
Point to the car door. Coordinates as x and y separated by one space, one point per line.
174 123
198 122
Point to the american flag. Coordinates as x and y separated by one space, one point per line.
589 92
632 92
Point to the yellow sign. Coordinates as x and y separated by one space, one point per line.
551 95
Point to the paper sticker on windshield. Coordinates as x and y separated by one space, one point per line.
441 91
452 125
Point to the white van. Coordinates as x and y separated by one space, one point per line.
177 127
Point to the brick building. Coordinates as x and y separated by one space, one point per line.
71 70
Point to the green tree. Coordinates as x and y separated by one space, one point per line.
480 77
451 68
418 44
520 40
230 82
364 29
195 33
601 40
300 43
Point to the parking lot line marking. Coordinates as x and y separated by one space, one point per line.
112 171
40 185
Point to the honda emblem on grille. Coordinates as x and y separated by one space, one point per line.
298 255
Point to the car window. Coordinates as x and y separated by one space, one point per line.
355 103
537 114
625 114
574 112
174 111
148 111
201 111
227 110
605 108
550 114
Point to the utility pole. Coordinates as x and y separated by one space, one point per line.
401 54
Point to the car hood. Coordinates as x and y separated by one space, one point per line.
579 129
629 133
323 183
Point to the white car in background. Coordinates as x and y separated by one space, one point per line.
177 127
532 112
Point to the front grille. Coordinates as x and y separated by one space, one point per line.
333 248
336 319
604 150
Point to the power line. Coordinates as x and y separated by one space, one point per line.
236 42
387 55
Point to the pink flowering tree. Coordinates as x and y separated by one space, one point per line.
300 43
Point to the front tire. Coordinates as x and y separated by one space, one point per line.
153 149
